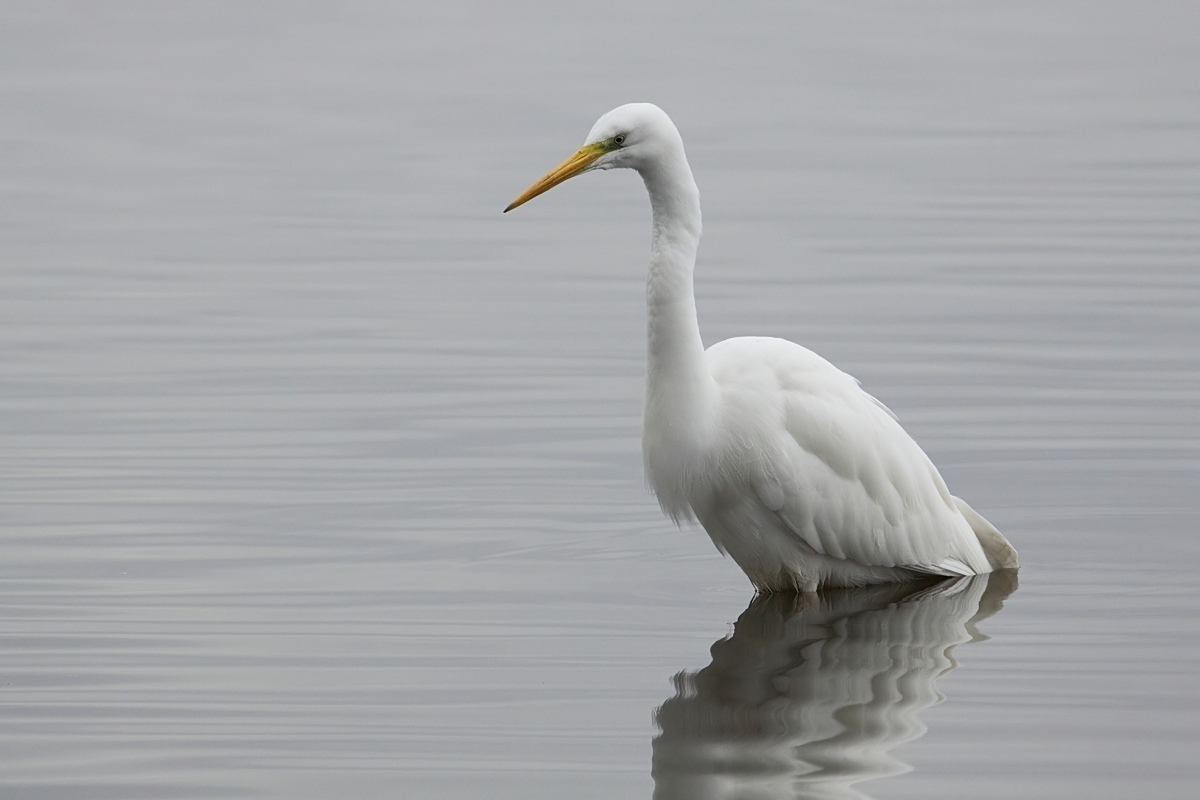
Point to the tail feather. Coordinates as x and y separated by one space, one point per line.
1000 554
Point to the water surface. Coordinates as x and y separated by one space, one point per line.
319 477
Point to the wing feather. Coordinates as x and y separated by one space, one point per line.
841 476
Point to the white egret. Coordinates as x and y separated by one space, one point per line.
804 479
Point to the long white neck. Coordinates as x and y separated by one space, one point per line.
680 391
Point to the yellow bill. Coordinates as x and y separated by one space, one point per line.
583 158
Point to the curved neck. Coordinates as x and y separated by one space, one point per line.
680 392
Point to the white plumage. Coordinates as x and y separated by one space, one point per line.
804 479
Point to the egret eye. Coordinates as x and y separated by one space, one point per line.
619 139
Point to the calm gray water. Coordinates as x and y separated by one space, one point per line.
321 478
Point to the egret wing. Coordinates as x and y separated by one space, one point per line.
840 473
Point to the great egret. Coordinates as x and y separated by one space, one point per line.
793 470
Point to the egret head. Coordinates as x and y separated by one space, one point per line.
632 136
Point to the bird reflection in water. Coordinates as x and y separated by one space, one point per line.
811 692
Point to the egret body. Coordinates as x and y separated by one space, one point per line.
804 479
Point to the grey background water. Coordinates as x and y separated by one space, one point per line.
321 478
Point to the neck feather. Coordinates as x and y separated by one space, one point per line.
680 392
